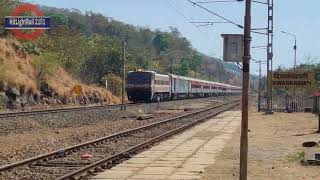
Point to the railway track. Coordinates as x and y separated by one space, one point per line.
50 111
80 161
59 110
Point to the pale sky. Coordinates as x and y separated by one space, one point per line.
300 19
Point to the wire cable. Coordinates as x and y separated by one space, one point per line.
216 14
187 19
221 1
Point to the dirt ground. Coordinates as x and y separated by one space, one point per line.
274 142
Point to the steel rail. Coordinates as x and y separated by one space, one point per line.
70 149
58 110
90 169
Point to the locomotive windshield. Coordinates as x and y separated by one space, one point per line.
139 78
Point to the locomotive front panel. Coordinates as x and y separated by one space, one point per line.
139 86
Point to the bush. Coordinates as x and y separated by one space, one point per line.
300 156
114 84
45 65
31 48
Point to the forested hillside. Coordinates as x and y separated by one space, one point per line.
88 46
99 38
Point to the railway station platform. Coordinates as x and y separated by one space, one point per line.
184 156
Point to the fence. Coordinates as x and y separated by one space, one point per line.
288 103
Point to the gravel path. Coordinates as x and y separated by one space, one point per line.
29 136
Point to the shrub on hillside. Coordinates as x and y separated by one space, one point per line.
45 65
31 48
114 83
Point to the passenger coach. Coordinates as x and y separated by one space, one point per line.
145 86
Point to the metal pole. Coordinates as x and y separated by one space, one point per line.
245 96
269 57
124 74
295 63
295 53
319 122
259 89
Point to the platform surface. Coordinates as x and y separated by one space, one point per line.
184 156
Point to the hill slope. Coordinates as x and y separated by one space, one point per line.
20 84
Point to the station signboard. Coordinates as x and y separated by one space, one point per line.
292 79
232 47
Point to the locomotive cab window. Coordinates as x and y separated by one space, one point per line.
139 78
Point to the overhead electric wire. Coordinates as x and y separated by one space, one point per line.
221 1
186 18
229 1
216 14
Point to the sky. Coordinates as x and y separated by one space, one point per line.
300 19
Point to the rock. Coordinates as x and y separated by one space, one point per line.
46 100
17 103
24 100
3 100
14 91
31 99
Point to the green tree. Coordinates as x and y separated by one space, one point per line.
161 43
183 67
196 63
114 83
104 58
70 46
58 20
6 7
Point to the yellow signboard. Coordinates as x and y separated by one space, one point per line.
77 89
292 79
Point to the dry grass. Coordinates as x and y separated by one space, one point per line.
62 83
16 70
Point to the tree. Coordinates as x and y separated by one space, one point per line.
104 58
183 67
161 43
70 46
114 83
144 59
196 63
58 20
6 7
174 31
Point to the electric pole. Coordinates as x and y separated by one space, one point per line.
245 93
295 64
269 56
124 74
259 89
295 56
